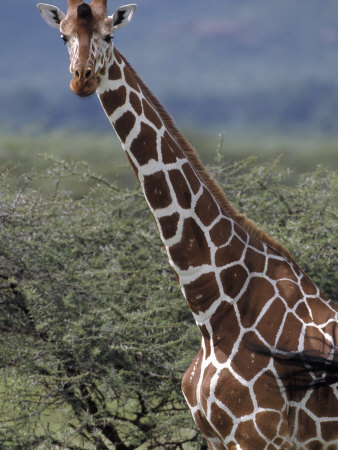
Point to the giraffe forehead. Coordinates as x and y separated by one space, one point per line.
85 20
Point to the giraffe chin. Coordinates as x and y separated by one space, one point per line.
83 89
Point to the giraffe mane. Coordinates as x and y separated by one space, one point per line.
192 156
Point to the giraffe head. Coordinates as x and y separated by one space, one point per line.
87 31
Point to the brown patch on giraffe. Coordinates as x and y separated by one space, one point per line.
193 250
315 343
181 188
225 331
247 436
267 391
221 420
130 79
233 280
256 244
233 394
292 329
317 445
206 208
108 55
247 363
280 269
206 340
144 146
332 330
306 426
258 292
221 232
118 56
202 292
135 103
114 72
267 422
157 191
170 150
321 313
330 431
292 415
240 232
229 253
169 225
194 182
308 286
151 115
302 312
280 444
209 372
289 291
112 100
191 378
254 261
203 424
270 323
124 125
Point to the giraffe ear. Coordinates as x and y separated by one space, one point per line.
51 15
122 16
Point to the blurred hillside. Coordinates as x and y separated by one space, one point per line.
230 65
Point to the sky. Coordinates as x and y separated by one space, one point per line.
190 53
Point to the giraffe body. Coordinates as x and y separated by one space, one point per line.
258 313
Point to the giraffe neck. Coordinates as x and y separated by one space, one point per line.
199 228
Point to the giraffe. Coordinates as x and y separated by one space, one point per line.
265 376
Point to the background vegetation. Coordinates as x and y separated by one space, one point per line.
21 152
94 333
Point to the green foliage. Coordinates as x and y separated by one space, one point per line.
94 333
91 317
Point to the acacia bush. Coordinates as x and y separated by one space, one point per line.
94 332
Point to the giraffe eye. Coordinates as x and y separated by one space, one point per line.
64 38
108 38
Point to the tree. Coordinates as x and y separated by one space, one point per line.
94 333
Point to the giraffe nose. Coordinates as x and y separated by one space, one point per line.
83 74
84 80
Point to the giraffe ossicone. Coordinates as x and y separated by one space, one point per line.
265 376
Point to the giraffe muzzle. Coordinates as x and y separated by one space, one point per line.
84 82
